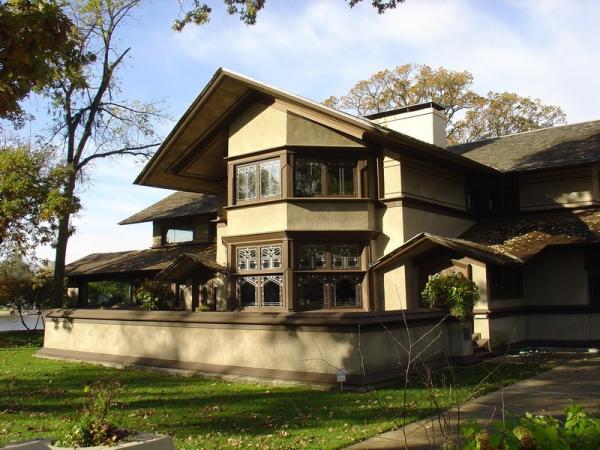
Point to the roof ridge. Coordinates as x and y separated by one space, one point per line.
522 132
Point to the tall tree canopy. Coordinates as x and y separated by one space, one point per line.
35 41
469 116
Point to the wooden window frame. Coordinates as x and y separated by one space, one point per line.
257 165
325 162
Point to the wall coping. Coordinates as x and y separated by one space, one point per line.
307 318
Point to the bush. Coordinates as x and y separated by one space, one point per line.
452 292
93 428
153 295
578 431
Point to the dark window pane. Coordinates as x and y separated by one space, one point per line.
345 257
312 292
247 291
311 257
344 292
245 181
270 178
308 178
271 290
341 178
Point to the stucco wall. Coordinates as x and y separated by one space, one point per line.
217 347
429 183
416 221
260 127
568 188
557 276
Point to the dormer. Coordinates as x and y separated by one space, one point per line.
180 218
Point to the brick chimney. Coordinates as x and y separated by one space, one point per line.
425 121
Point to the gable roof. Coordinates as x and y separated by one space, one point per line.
226 94
424 241
151 260
526 235
179 204
562 146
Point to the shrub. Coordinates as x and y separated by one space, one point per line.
452 292
93 428
153 295
578 431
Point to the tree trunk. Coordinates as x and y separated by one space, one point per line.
58 283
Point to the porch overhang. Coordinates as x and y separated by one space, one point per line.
424 242
189 265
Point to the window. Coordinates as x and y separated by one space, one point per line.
261 179
318 291
314 178
311 257
246 258
505 282
315 257
270 257
173 235
261 289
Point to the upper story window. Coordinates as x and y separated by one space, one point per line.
492 195
258 180
178 234
314 178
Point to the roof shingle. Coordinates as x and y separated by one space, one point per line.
179 204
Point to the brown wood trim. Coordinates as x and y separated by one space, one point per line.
333 319
254 238
538 310
424 205
227 370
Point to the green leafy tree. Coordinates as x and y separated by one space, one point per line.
469 116
199 12
31 199
153 295
35 42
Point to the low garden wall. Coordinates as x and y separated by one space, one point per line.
310 346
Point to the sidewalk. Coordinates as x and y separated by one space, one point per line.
548 393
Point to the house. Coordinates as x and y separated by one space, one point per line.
310 233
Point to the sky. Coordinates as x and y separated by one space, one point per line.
317 48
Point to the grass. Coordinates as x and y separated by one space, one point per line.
38 397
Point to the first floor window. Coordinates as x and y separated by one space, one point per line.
266 290
345 257
318 291
270 257
311 257
505 282
246 258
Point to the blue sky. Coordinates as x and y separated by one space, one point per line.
545 49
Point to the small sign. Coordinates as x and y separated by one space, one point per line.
341 376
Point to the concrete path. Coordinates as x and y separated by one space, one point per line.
547 393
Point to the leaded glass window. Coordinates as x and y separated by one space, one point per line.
246 258
345 257
345 291
247 290
270 178
308 177
271 290
311 257
245 181
312 291
270 257
340 178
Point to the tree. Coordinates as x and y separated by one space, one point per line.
199 13
24 285
469 116
91 119
31 199
35 40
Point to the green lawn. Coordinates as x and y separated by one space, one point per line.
37 396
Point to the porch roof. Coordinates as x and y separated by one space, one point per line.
179 204
525 236
147 261
425 241
188 264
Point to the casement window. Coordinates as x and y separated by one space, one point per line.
316 257
319 291
505 282
314 178
258 180
259 289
